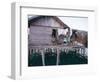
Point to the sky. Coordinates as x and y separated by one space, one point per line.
79 23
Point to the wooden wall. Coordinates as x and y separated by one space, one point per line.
40 35
41 31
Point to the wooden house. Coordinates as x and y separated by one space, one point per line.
79 37
44 31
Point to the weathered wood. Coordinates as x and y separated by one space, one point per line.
43 60
41 29
57 56
47 21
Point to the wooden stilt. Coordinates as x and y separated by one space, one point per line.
43 57
57 56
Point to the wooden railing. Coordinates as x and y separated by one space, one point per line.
56 49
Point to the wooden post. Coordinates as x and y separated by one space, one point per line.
31 51
57 56
43 57
84 51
